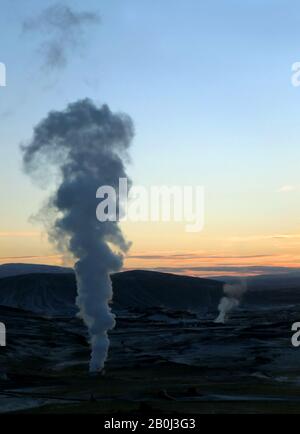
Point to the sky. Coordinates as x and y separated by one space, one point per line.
208 85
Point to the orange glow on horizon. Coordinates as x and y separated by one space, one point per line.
219 255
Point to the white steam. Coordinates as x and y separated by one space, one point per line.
233 296
86 146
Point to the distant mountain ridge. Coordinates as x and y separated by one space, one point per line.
49 290
8 270
55 293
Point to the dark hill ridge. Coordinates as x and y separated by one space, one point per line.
148 288
54 294
7 270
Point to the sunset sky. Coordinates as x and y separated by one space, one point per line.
208 85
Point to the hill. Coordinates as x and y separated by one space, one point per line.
54 294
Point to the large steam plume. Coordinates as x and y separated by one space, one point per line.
232 299
81 149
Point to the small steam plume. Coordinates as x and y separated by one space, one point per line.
63 31
82 148
233 296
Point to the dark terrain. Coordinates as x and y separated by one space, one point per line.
166 354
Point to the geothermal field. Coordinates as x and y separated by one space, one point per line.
167 354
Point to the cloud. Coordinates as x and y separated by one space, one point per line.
246 238
9 258
36 259
286 188
226 270
62 30
5 114
19 234
194 256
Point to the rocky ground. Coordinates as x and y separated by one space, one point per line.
163 360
